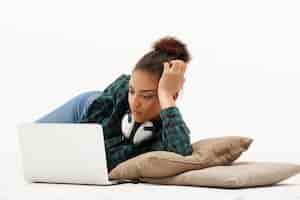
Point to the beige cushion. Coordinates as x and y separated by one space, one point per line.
237 175
206 153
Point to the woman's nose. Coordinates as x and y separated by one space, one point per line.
136 102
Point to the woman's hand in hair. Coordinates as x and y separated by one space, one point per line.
171 82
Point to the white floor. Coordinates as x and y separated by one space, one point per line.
13 186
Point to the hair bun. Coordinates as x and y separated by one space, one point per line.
172 46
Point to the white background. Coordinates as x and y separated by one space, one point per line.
243 79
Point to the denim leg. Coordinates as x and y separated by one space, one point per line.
72 111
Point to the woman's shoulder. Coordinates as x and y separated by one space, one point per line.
124 77
118 85
122 80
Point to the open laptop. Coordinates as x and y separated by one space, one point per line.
64 153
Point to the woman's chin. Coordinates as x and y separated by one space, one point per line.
138 120
141 119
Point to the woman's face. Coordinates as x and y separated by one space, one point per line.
143 99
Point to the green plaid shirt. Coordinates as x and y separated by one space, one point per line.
108 110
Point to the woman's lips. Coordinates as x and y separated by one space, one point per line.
137 113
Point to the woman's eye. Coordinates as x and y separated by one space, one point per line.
147 97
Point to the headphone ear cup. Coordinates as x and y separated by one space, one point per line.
127 125
144 132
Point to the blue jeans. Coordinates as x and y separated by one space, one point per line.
72 111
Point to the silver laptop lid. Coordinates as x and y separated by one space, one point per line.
63 153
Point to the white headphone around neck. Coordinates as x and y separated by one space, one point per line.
135 132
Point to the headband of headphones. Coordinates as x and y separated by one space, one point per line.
138 133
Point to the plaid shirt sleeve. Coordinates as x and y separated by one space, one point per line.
175 135
118 86
101 108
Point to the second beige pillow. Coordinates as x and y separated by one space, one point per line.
206 153
237 175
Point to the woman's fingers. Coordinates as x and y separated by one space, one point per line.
172 78
178 66
166 67
175 66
